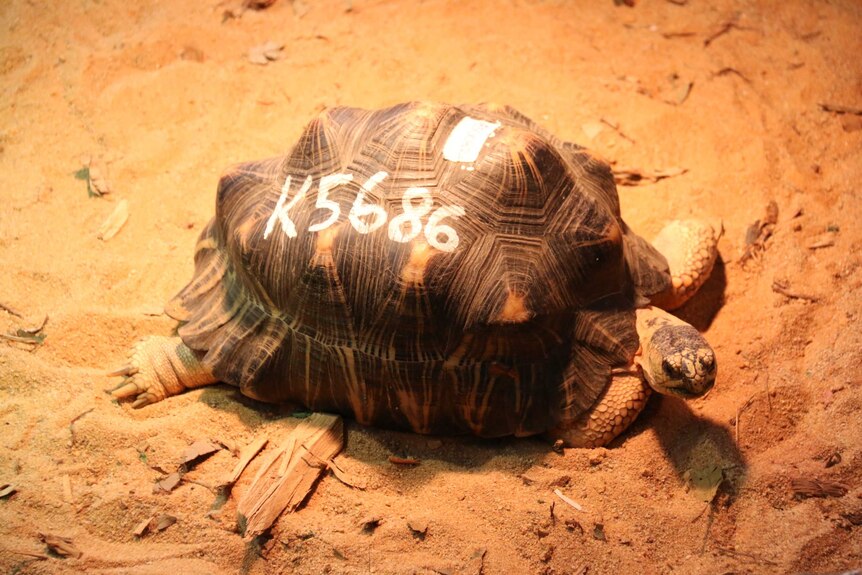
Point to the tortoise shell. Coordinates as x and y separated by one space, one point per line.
437 268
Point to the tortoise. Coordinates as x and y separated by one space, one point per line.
436 268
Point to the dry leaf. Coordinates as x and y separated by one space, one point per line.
265 53
115 221
197 452
62 546
7 489
705 482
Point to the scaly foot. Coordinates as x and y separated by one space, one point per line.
160 367
691 248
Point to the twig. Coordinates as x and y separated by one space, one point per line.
34 554
735 553
615 126
74 420
738 413
783 289
565 499
10 310
18 338
839 109
729 70
727 27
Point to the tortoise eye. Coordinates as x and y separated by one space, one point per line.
667 368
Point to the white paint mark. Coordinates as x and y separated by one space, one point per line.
434 229
281 211
412 215
467 138
360 209
328 183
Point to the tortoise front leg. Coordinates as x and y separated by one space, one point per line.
624 398
691 250
160 367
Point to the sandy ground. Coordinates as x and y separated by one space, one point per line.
161 97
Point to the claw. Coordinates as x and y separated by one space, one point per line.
126 371
144 399
125 389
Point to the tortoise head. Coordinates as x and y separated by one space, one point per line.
675 358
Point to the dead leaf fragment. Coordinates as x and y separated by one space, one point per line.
115 221
599 532
62 546
705 482
7 489
265 53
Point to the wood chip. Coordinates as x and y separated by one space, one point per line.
162 522
246 455
7 489
823 242
168 484
265 53
805 487
568 500
397 460
67 489
315 440
154 524
62 546
111 226
143 527
344 477
197 452
98 183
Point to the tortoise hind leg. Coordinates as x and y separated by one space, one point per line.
160 367
622 401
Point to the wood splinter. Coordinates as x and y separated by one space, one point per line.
289 473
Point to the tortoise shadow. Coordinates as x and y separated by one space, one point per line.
691 442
